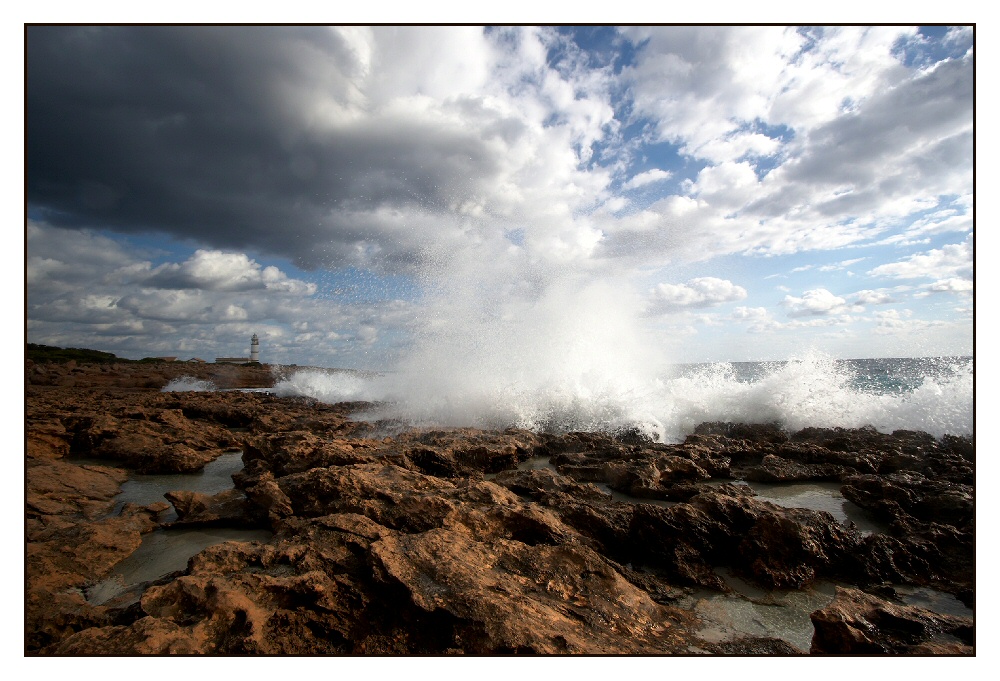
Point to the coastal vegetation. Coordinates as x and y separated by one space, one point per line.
41 354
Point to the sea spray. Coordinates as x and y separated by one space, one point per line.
534 335
568 354
535 331
815 390
188 384
330 386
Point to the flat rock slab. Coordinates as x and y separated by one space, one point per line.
521 598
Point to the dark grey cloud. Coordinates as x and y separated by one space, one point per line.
219 134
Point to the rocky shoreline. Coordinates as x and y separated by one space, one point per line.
395 541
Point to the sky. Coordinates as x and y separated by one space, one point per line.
738 192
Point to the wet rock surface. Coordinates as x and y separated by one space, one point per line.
395 541
860 623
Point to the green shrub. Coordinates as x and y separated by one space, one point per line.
48 353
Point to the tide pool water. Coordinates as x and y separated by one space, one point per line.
163 552
818 496
215 477
167 550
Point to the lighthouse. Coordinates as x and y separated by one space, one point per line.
254 350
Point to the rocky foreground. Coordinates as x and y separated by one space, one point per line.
394 541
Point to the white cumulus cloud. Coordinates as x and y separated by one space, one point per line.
951 285
696 293
870 297
952 260
211 270
648 177
815 302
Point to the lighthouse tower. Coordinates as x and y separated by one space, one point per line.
254 350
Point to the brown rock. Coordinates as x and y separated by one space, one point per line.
297 451
56 487
398 545
858 623
773 468
229 508
512 597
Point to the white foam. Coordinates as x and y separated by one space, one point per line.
326 386
814 390
188 384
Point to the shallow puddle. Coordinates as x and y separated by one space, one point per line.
537 463
163 552
752 611
629 499
168 550
215 477
933 600
818 496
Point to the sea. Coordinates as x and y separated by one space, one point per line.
930 394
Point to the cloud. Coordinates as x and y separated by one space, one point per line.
693 84
843 264
902 323
308 142
739 145
648 177
208 305
892 317
760 321
219 271
758 318
870 297
750 313
815 302
857 142
364 147
507 159
869 149
727 185
696 293
952 260
61 260
957 218
951 285
700 86
74 307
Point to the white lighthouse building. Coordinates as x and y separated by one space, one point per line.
254 350
254 354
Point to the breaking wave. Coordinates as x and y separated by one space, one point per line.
188 384
931 395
